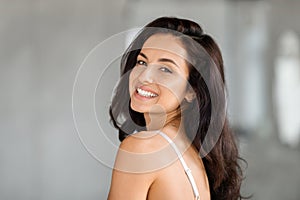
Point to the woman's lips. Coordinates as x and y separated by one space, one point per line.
145 92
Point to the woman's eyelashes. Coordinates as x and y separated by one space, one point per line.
165 69
141 62
162 68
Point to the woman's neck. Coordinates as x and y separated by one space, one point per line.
160 120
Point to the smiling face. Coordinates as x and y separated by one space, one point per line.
159 79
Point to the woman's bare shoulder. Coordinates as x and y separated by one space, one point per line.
141 153
131 178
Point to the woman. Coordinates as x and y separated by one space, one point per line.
170 110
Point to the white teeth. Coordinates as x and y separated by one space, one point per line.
145 93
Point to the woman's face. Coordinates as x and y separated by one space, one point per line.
159 78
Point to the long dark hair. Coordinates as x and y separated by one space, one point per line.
221 161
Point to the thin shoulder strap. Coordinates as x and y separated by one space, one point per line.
187 170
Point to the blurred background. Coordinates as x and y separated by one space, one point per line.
43 44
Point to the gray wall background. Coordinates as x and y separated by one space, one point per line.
43 44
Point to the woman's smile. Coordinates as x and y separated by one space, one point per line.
144 92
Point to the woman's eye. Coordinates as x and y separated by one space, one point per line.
165 69
140 62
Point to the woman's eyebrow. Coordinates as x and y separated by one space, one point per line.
168 60
143 55
160 60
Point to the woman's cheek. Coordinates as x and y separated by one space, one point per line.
133 73
132 80
177 87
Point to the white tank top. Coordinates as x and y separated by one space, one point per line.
187 170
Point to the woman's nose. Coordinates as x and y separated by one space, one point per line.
147 75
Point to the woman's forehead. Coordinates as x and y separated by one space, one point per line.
167 43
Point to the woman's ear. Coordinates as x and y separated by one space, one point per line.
190 95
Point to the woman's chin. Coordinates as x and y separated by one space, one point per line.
139 108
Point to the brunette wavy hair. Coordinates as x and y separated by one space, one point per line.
222 161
